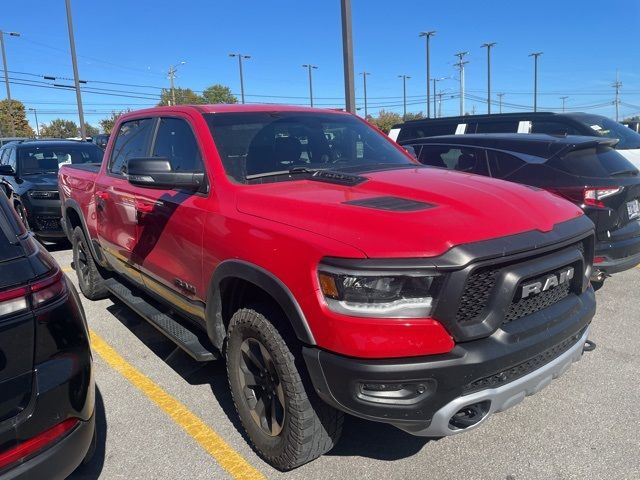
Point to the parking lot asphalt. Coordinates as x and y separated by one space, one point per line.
175 419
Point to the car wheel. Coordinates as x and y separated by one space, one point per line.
89 278
22 213
285 420
597 284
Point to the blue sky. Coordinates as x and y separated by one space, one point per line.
134 42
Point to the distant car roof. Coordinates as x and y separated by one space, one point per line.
538 144
52 142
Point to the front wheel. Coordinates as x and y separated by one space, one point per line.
89 278
287 423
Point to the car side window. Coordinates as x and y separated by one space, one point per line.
508 126
11 158
502 164
176 142
3 156
462 159
553 128
132 141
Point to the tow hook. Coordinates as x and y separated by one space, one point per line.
589 346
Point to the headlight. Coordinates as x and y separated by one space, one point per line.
394 295
44 194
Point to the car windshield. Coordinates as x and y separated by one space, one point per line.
259 145
605 127
33 160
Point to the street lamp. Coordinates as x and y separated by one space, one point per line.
564 99
35 113
535 56
172 73
240 57
310 67
488 47
6 77
364 82
404 95
428 36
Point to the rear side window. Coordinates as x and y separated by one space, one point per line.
593 162
426 130
553 128
4 154
462 159
132 141
11 157
176 142
502 164
510 126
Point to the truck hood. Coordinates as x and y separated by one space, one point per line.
456 208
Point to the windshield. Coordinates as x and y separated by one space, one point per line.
605 127
33 160
255 145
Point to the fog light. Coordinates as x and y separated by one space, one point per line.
399 393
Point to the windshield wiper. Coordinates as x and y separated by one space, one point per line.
623 172
291 171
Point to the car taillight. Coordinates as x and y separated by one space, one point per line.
591 196
32 296
37 443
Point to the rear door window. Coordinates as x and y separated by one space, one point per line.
132 141
553 128
510 126
426 130
502 164
176 142
462 159
593 162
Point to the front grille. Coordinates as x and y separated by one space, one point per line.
476 294
524 368
48 223
527 306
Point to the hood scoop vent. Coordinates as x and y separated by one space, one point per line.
392 204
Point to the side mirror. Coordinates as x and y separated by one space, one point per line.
7 170
156 172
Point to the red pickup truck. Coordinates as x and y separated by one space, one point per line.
333 272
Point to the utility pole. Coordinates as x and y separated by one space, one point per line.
428 36
172 74
76 78
535 56
6 78
404 95
440 104
364 84
500 95
240 58
36 115
435 80
488 46
460 66
617 85
564 99
347 56
310 67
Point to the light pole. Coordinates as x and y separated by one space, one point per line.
404 95
35 113
6 78
240 58
364 85
310 67
488 46
535 56
564 99
435 80
76 78
347 57
460 66
172 74
500 95
428 36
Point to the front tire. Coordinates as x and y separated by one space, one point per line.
89 278
287 423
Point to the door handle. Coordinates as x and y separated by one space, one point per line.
102 195
144 207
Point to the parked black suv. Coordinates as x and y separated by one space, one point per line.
574 123
47 390
29 178
585 170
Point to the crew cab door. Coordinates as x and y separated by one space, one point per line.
117 220
171 222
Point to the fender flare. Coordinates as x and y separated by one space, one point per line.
268 282
71 204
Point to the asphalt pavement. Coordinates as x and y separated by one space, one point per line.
162 415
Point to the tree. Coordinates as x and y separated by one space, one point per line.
90 130
184 96
106 124
59 128
218 94
19 117
386 120
413 116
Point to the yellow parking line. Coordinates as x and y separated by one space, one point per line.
208 439
67 269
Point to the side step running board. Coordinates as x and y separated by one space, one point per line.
182 336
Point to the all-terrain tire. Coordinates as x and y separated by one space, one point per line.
310 426
89 277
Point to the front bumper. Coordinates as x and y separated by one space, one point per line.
519 359
618 256
44 217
